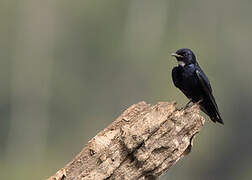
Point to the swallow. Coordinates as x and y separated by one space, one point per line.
193 82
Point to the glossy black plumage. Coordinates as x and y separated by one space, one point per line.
192 81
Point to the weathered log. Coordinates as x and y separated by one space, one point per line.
142 143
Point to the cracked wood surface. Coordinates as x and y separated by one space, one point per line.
142 143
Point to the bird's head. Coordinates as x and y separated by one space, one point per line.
184 57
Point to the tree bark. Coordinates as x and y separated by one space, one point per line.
142 143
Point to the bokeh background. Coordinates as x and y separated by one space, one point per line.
69 68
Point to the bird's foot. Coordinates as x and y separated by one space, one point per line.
198 103
189 104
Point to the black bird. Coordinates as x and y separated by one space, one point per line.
192 81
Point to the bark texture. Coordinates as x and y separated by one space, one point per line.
142 143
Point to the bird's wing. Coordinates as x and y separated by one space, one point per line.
204 81
208 92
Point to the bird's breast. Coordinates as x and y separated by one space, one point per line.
185 79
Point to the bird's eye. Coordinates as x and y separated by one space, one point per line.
185 55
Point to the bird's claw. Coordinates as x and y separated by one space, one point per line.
190 104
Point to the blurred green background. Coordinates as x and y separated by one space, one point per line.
69 68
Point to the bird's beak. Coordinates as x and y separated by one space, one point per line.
176 55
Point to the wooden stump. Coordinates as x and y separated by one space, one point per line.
142 143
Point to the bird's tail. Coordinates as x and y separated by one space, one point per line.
212 111
217 118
